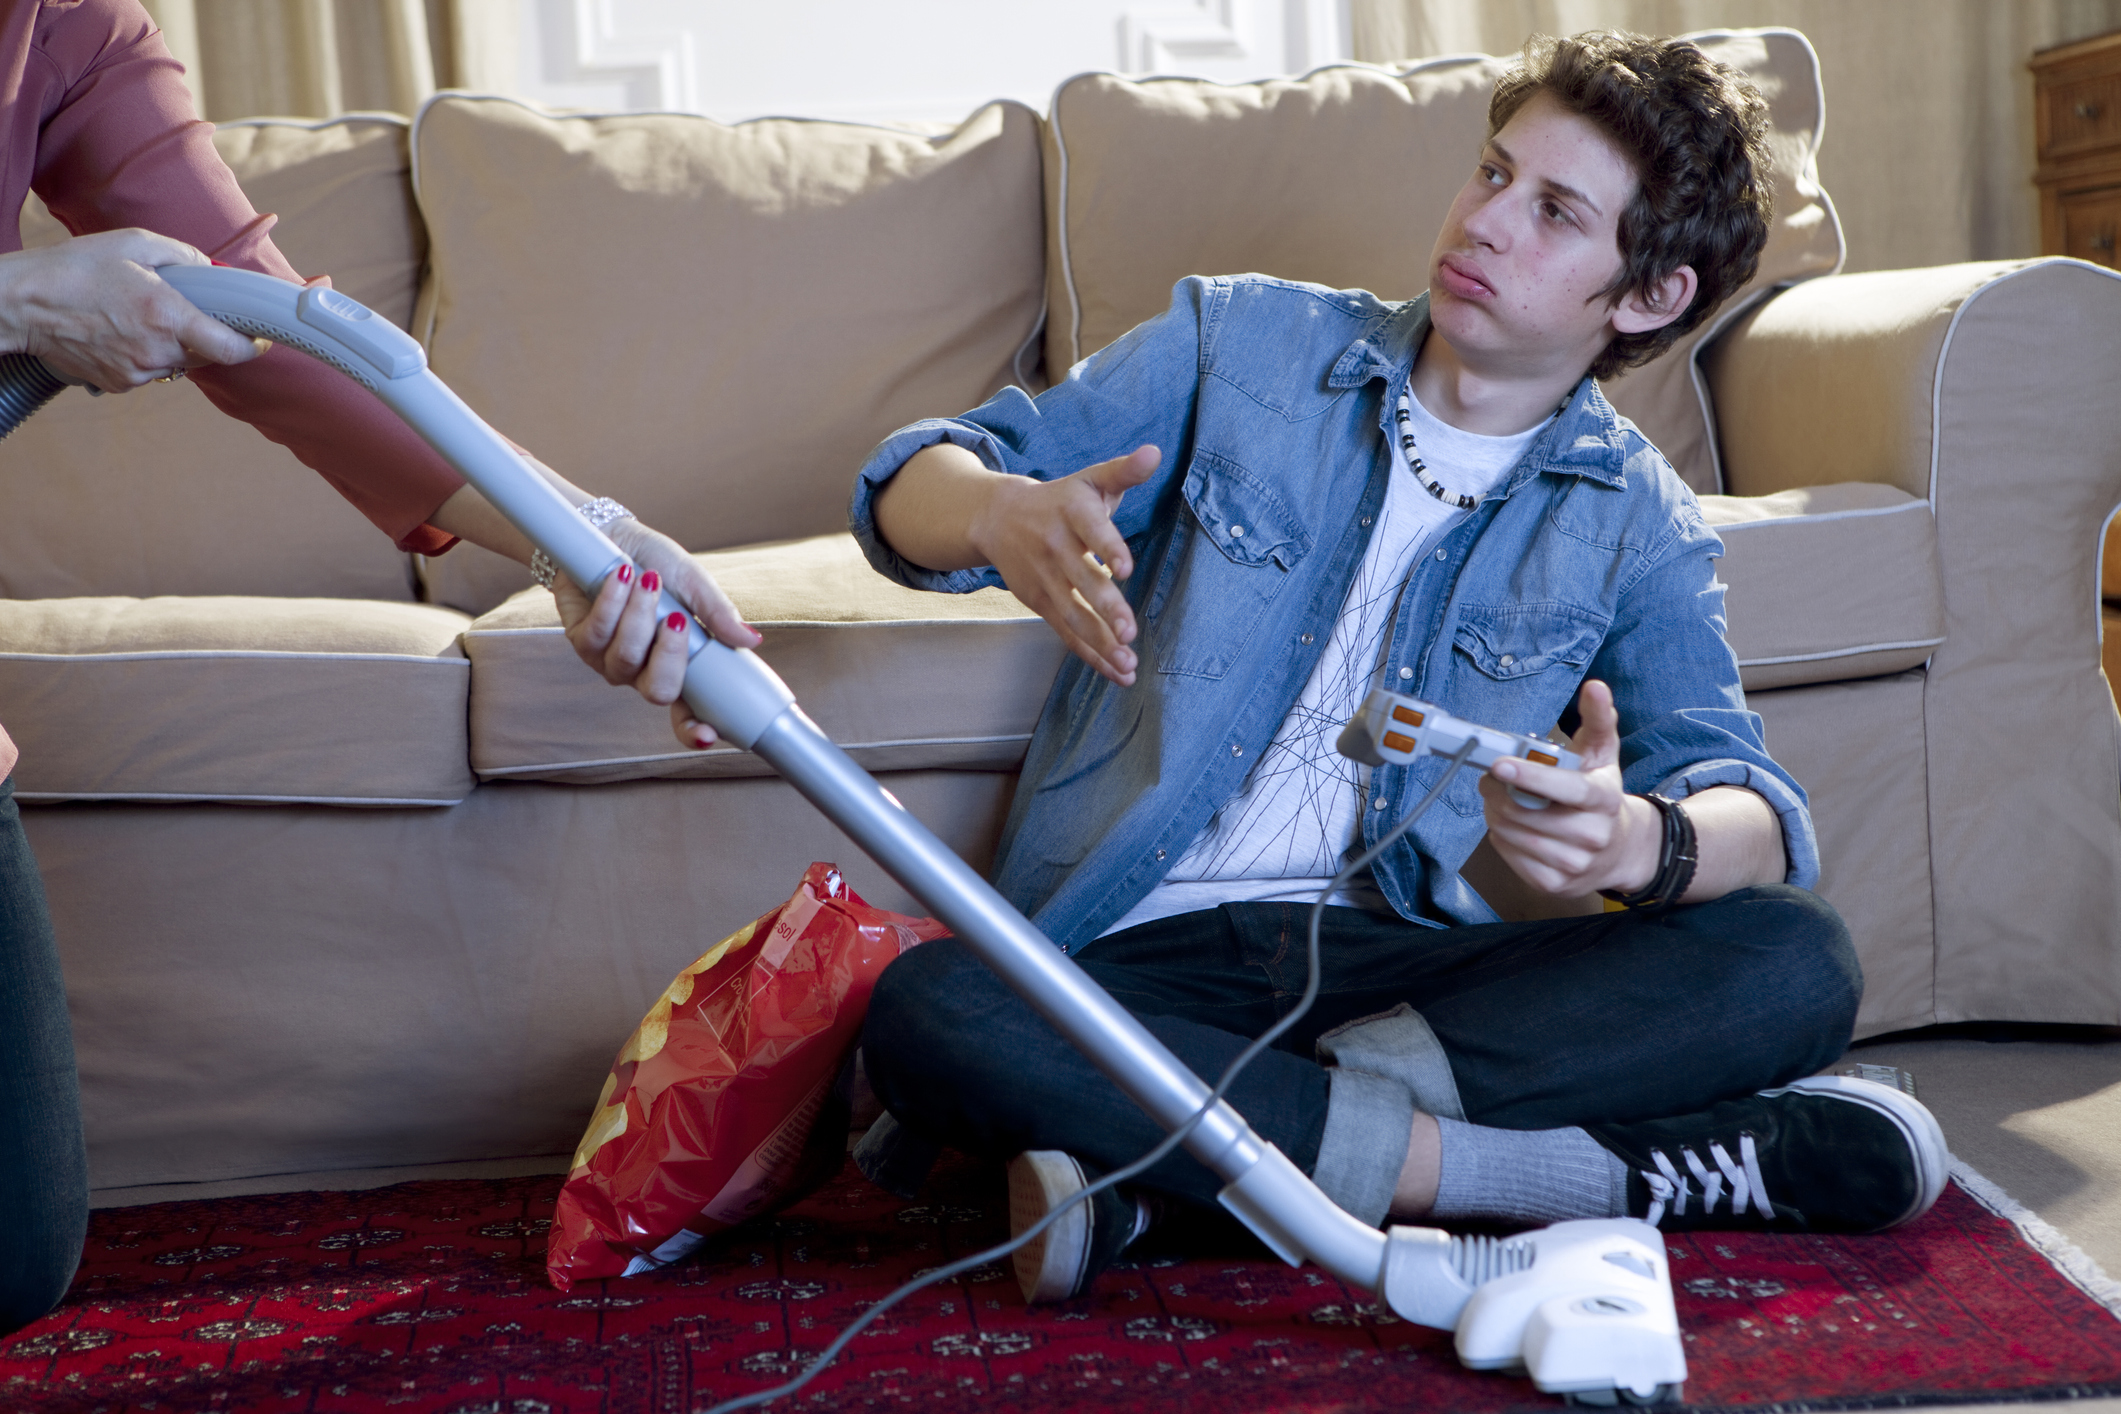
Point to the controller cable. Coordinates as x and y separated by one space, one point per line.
1149 1160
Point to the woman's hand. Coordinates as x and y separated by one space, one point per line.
8 755
624 636
94 309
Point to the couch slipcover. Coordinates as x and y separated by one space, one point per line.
1828 582
277 989
1985 390
1825 583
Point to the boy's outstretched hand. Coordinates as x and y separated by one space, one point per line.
1593 835
1057 549
1053 541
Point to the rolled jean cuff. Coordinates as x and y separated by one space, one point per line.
1383 1068
1397 1044
1368 1119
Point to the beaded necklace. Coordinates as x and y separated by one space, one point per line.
1405 418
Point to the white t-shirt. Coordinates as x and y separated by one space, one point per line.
1288 831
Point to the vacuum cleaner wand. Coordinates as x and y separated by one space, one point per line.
1421 1273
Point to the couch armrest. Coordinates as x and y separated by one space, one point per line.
1989 390
1832 379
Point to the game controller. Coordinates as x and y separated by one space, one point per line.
1392 727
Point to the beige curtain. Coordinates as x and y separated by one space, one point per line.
1928 149
320 58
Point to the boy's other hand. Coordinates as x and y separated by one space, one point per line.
1057 549
1593 835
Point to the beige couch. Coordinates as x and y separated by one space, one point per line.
352 864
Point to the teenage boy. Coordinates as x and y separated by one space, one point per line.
1251 508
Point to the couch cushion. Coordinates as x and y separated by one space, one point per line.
901 678
715 324
156 492
333 702
1149 181
1828 582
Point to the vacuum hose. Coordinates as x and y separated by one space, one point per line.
25 385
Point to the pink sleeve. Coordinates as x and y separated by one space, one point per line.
120 146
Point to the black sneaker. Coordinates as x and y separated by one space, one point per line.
1062 1261
1829 1154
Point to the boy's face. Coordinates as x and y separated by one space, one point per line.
1530 241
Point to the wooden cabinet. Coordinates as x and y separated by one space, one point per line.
2077 131
2089 221
2077 136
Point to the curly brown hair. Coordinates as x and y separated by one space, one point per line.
1696 131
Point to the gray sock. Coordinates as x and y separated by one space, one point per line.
1533 1176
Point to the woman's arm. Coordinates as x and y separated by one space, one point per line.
622 634
120 146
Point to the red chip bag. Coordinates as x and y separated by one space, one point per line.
711 1112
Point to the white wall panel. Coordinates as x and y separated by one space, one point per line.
918 60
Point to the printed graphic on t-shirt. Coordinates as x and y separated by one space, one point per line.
1297 813
1297 818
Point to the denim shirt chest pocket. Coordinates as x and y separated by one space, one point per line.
1217 579
1517 667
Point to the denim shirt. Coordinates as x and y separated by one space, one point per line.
1270 401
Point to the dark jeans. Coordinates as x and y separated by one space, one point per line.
1571 1021
43 1167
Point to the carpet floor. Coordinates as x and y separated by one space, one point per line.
429 1298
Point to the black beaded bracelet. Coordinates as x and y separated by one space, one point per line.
1676 859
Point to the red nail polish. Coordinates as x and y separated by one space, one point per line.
625 574
675 622
651 581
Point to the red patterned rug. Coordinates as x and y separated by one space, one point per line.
430 1298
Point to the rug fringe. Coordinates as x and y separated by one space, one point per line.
2075 1264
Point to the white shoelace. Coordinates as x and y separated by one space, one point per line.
1669 1190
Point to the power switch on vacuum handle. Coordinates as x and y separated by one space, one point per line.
389 349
